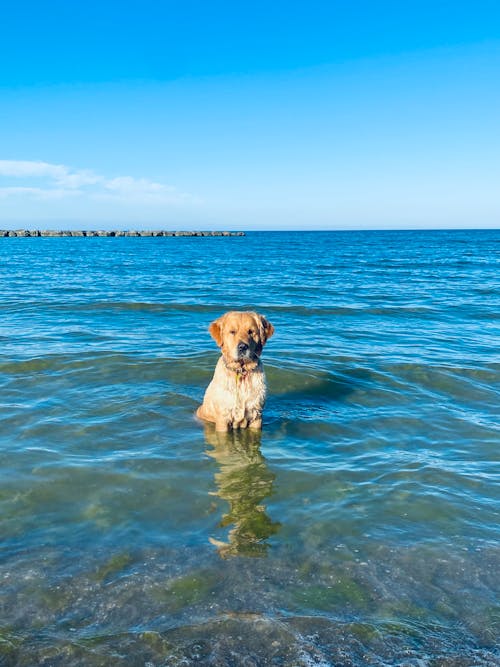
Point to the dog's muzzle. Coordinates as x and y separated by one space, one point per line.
243 350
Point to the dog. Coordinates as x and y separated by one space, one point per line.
236 395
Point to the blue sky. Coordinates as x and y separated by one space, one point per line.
262 115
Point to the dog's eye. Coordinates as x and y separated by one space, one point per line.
250 331
232 332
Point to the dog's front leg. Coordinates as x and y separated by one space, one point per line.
221 425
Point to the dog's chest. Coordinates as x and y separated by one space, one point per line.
245 395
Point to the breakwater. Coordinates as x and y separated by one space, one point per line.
52 232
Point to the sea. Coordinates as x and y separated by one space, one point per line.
360 527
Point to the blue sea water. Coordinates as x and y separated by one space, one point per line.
360 528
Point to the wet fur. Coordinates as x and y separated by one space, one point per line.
236 395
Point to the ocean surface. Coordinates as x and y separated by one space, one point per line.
361 527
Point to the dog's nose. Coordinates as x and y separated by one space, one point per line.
242 348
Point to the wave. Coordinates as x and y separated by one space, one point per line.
299 381
54 305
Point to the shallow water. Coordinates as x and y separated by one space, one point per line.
360 528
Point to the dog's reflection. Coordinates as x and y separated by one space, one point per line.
244 480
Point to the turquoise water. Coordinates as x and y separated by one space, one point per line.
360 528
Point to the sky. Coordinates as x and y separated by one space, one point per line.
191 114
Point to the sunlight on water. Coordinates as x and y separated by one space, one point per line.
360 527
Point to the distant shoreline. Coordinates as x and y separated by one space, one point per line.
34 233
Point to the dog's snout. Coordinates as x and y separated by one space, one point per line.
242 348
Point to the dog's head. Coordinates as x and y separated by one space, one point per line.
241 337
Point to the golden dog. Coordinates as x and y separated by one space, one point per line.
236 395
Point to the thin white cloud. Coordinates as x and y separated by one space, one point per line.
140 188
127 184
37 193
43 180
26 168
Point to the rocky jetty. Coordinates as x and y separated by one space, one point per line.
52 232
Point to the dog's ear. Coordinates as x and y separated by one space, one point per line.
267 328
215 330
